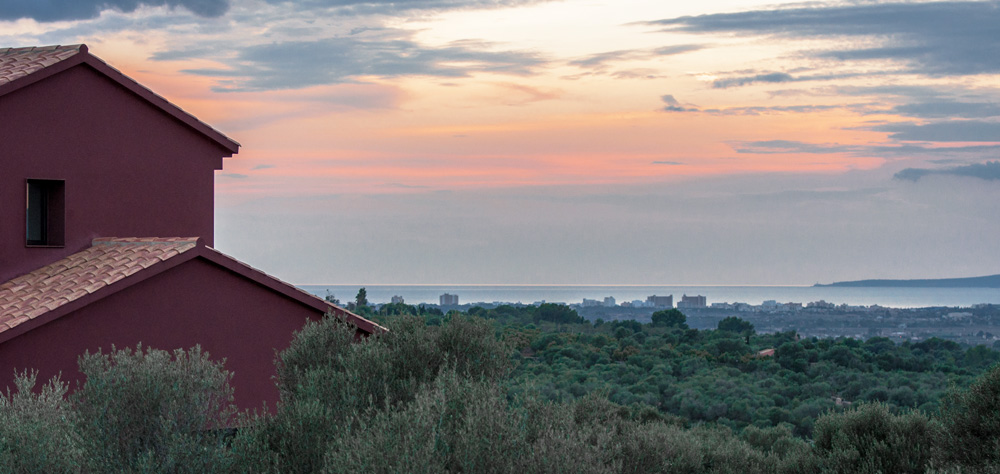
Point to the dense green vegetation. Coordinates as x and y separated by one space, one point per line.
720 376
525 390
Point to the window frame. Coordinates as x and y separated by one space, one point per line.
50 197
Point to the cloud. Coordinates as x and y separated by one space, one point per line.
769 147
901 91
948 109
674 106
781 77
989 171
676 49
771 77
773 109
932 38
298 64
182 54
671 163
262 167
789 146
640 73
952 131
60 10
388 7
234 175
601 61
953 100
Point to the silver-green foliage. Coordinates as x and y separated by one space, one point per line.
147 410
332 385
972 418
37 429
871 439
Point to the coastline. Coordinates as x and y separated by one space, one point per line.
753 295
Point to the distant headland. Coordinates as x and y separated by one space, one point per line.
991 281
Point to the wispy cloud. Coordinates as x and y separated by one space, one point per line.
770 147
948 109
298 64
674 106
781 77
599 62
46 11
929 38
390 7
989 171
774 109
950 131
771 77
790 146
61 10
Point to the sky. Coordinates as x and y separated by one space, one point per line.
721 142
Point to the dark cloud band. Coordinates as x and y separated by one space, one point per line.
989 171
60 10
950 131
298 64
936 38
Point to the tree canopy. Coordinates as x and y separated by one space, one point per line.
672 318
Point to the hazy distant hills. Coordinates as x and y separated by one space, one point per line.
991 281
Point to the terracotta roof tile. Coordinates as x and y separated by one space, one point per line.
108 261
19 62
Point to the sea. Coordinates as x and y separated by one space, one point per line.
754 295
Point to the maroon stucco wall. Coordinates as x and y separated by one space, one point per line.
196 302
130 168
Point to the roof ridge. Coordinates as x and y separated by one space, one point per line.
369 325
145 240
79 47
18 63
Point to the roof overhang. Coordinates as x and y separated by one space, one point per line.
187 250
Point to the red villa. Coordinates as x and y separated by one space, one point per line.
106 205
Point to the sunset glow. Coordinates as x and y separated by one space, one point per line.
715 126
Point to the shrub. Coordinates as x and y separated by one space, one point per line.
471 344
332 386
870 439
37 432
972 420
316 345
146 410
785 452
458 424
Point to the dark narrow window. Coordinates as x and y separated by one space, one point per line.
45 209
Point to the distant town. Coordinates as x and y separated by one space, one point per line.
975 325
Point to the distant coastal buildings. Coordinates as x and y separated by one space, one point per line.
657 302
653 301
660 301
692 302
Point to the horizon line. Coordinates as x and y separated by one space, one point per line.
644 285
